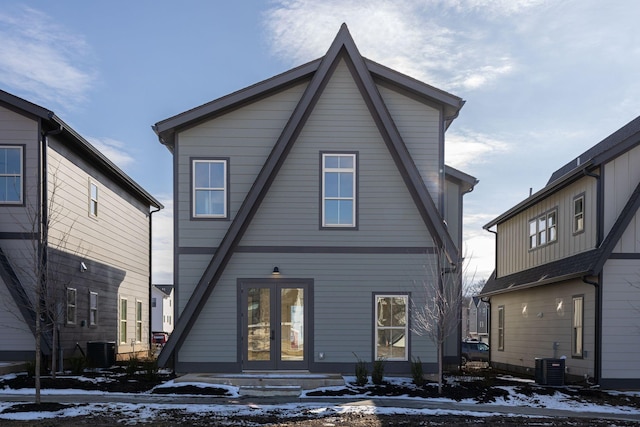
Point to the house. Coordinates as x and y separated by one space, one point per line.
162 308
477 313
69 215
567 277
309 210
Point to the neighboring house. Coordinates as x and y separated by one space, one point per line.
567 278
162 308
65 206
478 315
309 209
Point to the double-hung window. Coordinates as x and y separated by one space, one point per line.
339 190
93 308
578 214
577 325
501 328
391 327
138 321
93 199
11 174
210 188
71 306
123 320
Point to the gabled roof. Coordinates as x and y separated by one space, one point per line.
612 146
165 289
584 264
51 122
319 73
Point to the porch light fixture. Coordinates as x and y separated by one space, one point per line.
275 271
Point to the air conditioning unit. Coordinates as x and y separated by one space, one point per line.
550 372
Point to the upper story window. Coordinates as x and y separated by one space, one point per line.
93 308
543 229
71 306
93 199
578 214
11 174
339 190
210 188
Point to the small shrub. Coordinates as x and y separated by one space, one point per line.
377 373
31 369
150 367
361 372
132 366
416 372
77 364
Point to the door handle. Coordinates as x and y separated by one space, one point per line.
273 334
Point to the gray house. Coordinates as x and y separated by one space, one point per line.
66 208
567 278
309 210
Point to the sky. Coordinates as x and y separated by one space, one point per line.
543 80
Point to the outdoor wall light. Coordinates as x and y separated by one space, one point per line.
83 267
276 271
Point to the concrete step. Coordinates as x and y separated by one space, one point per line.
267 383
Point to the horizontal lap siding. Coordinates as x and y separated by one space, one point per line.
343 290
246 136
621 319
514 254
531 336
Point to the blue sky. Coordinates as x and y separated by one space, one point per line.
543 80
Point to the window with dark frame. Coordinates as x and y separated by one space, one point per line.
71 306
578 214
11 174
501 328
543 229
391 327
338 190
210 188
577 339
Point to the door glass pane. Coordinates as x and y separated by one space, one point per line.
292 324
258 324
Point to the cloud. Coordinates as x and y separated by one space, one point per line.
465 146
113 150
43 61
443 42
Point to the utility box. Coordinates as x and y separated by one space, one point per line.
101 354
550 372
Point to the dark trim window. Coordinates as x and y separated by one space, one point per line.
339 190
543 230
93 199
210 188
11 174
577 338
123 320
391 327
71 306
578 214
501 328
93 308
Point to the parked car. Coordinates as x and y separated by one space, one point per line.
474 351
160 337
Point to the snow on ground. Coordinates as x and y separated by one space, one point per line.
148 411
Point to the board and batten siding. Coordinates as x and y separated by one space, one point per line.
245 136
620 319
512 248
621 177
343 287
535 318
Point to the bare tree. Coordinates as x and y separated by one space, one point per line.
46 274
438 316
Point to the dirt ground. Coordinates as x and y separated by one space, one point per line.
482 389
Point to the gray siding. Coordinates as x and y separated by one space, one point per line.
531 334
513 250
620 319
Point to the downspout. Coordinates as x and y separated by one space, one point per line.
597 362
495 253
487 300
150 337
